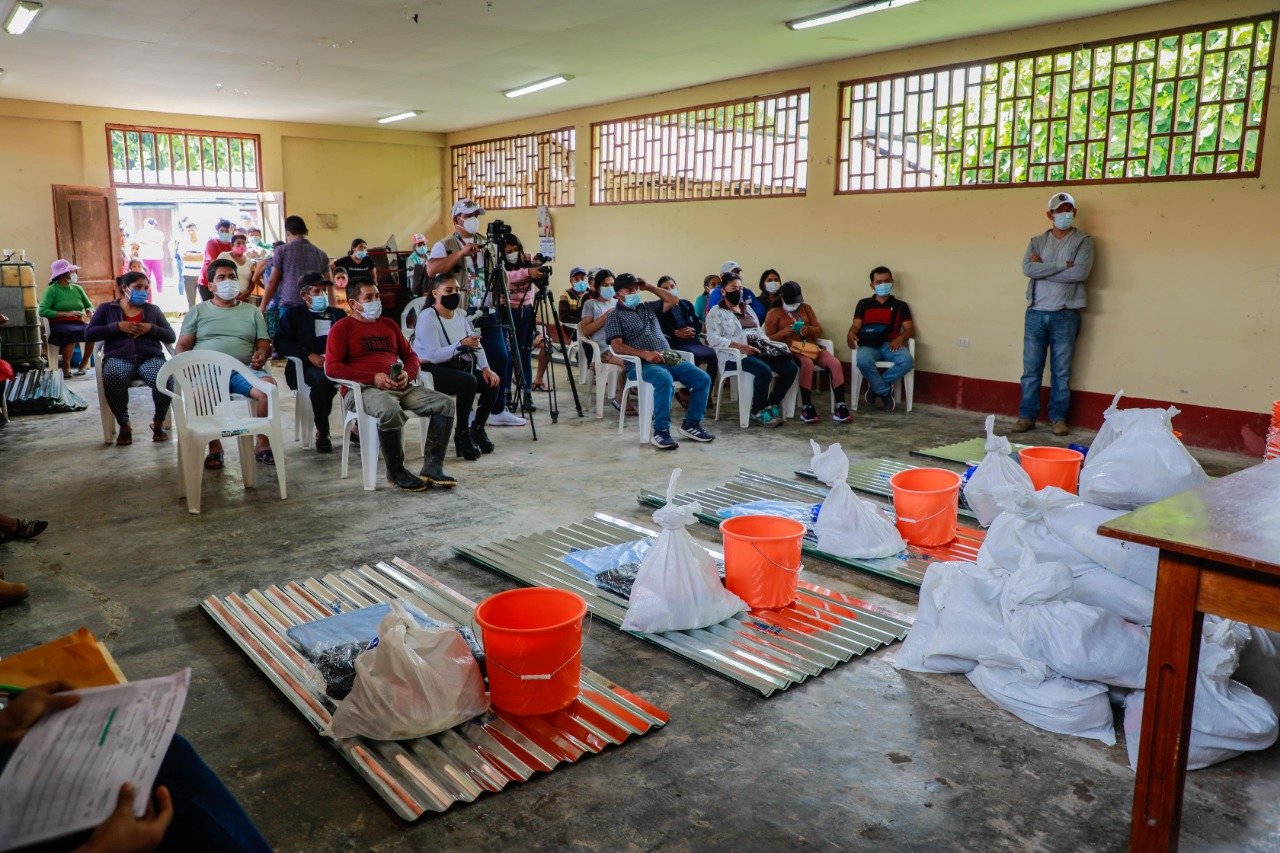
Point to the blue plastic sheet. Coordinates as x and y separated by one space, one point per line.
806 514
613 567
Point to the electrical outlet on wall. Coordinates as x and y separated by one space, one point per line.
963 343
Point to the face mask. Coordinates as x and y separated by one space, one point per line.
451 301
137 297
607 292
733 297
631 300
580 287
237 250
771 286
675 291
73 278
371 310
884 288
421 250
227 289
512 257
319 303
471 224
360 256
1062 221
793 307
224 236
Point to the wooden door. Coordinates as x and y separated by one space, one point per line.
86 229
271 214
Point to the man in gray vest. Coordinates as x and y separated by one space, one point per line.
1056 264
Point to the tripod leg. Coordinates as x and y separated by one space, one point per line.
564 353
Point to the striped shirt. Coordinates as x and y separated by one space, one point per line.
638 327
294 260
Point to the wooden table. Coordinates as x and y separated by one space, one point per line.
1219 553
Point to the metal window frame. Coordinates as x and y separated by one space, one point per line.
846 142
794 163
187 134
515 164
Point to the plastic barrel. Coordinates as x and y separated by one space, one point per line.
926 503
762 558
1052 466
533 648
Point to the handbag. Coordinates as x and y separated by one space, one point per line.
808 349
768 348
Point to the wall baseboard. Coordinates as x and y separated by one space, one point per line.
1201 426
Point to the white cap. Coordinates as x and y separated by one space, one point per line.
729 266
466 207
419 239
1057 200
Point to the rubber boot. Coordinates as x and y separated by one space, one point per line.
481 439
437 442
393 455
463 445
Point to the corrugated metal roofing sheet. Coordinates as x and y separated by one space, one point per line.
765 650
908 567
428 774
872 477
967 452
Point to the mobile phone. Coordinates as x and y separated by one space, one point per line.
397 370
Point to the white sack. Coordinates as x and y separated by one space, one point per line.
1098 587
1076 521
996 470
1146 463
958 621
1112 425
1021 525
677 587
1259 668
1030 691
415 682
848 526
1227 718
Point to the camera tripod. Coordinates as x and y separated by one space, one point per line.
542 309
498 298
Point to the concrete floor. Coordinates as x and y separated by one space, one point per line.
861 757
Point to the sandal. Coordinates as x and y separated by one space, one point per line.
158 432
125 438
265 456
213 461
540 386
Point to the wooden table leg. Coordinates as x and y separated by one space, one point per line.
1166 713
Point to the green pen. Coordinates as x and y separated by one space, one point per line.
11 690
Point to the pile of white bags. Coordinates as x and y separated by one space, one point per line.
848 526
1144 463
959 619
677 587
997 470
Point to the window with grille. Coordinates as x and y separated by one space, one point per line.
517 171
752 148
1187 103
183 159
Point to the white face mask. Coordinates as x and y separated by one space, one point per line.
771 286
793 307
471 224
675 291
73 278
512 257
371 310
227 289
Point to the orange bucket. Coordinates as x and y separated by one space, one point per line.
1052 466
762 558
532 648
926 502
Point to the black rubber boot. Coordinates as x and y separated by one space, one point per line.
393 455
437 442
463 444
480 438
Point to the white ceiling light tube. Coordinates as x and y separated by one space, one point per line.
21 16
399 116
538 86
847 12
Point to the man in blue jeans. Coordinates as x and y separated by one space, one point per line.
633 329
880 330
1056 264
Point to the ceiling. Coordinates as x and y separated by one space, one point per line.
350 61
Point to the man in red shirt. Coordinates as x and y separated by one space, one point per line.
216 245
880 330
364 347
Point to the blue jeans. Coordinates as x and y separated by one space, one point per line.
881 385
663 379
240 385
762 371
523 317
1054 333
494 342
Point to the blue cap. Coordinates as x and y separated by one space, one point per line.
577 271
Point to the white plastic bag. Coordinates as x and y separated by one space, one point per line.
1259 668
1227 718
1032 692
1076 521
998 469
1112 425
958 621
1144 464
415 682
848 526
677 587
1021 525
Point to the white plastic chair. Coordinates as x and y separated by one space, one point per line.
205 409
604 375
906 390
742 383
644 395
304 417
104 411
368 425
409 317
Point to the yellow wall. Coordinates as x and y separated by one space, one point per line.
378 181
1183 301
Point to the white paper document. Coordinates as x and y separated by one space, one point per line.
65 775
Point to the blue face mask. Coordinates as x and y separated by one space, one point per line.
1062 221
607 292
319 303
360 255
631 300
137 297
884 289
580 287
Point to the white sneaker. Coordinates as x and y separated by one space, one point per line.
505 418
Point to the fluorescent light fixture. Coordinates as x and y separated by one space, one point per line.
399 116
21 16
538 87
847 12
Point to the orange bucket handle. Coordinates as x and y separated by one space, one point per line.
775 563
945 509
539 676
